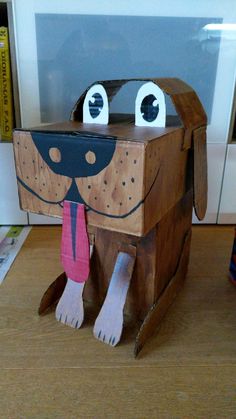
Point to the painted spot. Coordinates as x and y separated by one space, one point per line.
90 157
55 154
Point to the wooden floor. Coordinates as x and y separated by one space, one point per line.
188 370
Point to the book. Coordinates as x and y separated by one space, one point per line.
6 99
11 241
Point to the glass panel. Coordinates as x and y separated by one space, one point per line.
73 51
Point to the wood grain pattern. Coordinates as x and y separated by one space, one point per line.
188 370
165 159
199 391
160 307
200 172
158 254
118 188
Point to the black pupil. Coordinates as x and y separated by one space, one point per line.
149 108
95 105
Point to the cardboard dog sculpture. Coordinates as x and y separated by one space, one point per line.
125 188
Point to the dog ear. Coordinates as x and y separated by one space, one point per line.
95 107
199 172
150 107
194 120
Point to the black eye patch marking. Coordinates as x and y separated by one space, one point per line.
95 105
74 154
149 108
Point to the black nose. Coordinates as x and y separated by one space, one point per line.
74 154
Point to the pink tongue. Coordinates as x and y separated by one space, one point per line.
75 243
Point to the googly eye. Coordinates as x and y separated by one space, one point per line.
150 107
95 107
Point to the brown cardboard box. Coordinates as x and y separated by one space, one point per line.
128 177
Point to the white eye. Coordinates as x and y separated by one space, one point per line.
150 107
95 107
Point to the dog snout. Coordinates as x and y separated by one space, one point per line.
75 155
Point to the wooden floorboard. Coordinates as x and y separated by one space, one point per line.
188 370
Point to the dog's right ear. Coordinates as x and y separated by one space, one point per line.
96 107
200 184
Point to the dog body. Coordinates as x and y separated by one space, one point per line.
137 183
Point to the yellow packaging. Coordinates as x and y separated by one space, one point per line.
6 103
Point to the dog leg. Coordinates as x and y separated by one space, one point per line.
70 309
109 324
75 255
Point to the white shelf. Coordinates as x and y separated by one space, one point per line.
39 54
10 212
227 211
35 219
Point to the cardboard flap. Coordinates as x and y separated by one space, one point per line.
187 105
184 98
200 172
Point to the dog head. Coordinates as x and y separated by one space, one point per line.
127 173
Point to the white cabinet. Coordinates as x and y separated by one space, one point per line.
35 219
10 212
62 47
227 211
